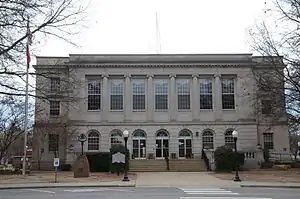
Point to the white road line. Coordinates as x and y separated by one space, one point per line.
212 193
41 191
83 190
222 198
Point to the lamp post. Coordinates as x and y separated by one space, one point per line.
235 137
82 138
126 134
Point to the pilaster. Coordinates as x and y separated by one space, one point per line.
172 98
127 97
105 98
195 95
217 98
150 97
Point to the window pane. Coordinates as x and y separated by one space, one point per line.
54 108
183 94
54 84
53 142
184 102
93 141
266 106
206 102
138 102
116 94
116 102
161 102
228 101
94 102
268 141
227 85
229 139
138 97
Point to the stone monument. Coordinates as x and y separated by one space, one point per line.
81 167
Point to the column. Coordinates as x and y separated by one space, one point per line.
195 94
105 98
172 98
217 97
150 98
127 97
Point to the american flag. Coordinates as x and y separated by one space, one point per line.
29 42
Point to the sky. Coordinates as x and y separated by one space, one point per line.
185 26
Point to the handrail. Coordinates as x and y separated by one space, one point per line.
206 160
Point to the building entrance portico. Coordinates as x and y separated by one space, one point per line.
162 144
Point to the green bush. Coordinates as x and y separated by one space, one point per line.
99 162
226 159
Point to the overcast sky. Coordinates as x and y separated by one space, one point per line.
185 26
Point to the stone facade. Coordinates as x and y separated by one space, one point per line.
180 127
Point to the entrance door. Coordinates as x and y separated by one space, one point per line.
185 148
162 147
139 148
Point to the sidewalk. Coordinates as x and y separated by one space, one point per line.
265 178
46 179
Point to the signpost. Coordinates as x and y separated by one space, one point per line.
56 165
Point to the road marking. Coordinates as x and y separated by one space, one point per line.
208 191
83 190
222 198
41 191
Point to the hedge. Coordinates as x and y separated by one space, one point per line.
102 161
226 159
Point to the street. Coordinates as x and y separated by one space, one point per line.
151 193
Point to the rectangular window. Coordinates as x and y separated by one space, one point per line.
228 101
94 92
268 141
266 106
138 95
183 94
54 84
161 94
54 108
116 94
53 142
206 93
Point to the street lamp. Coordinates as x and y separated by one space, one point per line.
82 138
125 134
235 137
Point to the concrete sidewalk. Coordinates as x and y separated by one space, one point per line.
60 185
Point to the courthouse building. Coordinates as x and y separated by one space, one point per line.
170 103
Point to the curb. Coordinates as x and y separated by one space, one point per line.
64 186
271 186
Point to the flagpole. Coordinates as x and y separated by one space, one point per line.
26 107
158 44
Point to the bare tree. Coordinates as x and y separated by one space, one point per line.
11 123
277 40
58 18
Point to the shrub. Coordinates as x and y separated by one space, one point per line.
65 167
99 162
226 159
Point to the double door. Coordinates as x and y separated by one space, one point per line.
162 147
139 148
185 148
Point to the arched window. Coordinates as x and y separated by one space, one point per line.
229 139
93 141
185 133
139 133
116 137
208 139
162 133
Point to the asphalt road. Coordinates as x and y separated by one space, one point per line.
151 193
